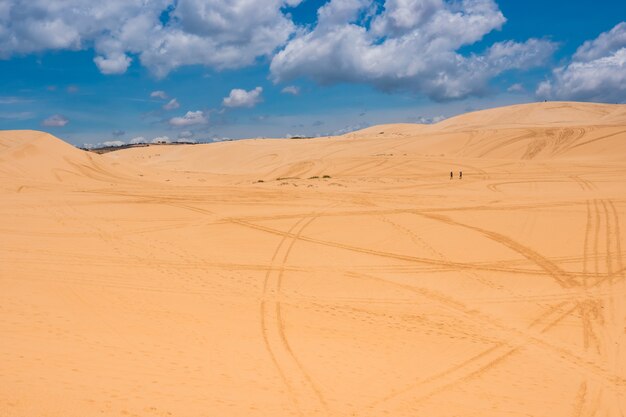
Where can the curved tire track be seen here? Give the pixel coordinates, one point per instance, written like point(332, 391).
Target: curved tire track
point(304, 392)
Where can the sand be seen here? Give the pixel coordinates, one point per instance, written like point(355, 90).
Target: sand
point(234, 279)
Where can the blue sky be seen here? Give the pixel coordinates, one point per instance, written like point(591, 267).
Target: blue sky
point(214, 69)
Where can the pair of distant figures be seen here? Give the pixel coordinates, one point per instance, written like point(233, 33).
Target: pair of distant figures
point(460, 175)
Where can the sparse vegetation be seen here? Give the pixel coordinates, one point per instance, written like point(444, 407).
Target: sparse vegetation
point(326, 176)
point(314, 177)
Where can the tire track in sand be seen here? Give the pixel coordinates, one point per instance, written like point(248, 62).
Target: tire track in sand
point(522, 337)
point(563, 278)
point(303, 391)
point(485, 360)
point(476, 365)
point(579, 402)
point(398, 256)
point(615, 325)
point(589, 308)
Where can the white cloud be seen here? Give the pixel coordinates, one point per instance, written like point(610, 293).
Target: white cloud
point(189, 119)
point(159, 94)
point(243, 98)
point(171, 105)
point(604, 45)
point(411, 45)
point(137, 140)
point(425, 120)
point(291, 89)
point(215, 33)
point(515, 88)
point(116, 63)
point(185, 134)
point(55, 120)
point(349, 128)
point(112, 143)
point(220, 139)
point(161, 139)
point(402, 44)
point(596, 72)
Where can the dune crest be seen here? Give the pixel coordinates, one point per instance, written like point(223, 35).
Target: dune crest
point(38, 156)
point(596, 132)
point(542, 113)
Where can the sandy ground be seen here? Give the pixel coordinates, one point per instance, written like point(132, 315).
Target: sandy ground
point(233, 279)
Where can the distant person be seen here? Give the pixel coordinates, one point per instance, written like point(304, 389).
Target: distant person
point(451, 174)
point(460, 175)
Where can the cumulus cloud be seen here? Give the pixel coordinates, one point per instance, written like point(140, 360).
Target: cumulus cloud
point(113, 143)
point(55, 120)
point(596, 72)
point(115, 63)
point(291, 89)
point(189, 119)
point(171, 105)
point(426, 120)
point(105, 144)
point(185, 134)
point(409, 45)
point(159, 94)
point(604, 45)
point(137, 140)
point(243, 98)
point(215, 33)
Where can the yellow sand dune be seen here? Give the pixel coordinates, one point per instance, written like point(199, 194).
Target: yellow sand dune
point(536, 114)
point(27, 155)
point(595, 131)
point(341, 276)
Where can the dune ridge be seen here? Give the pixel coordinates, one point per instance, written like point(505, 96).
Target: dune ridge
point(598, 133)
point(340, 276)
point(33, 155)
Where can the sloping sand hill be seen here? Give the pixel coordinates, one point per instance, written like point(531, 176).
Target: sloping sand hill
point(36, 157)
point(342, 276)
